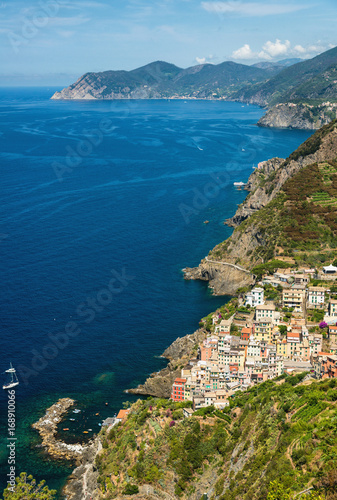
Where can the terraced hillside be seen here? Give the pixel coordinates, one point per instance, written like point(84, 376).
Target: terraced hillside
point(281, 432)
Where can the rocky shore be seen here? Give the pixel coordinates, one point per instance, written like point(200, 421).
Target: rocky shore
point(82, 483)
point(222, 279)
point(47, 428)
point(297, 116)
point(179, 352)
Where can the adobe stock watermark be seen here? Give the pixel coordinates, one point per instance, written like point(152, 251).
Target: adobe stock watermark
point(86, 312)
point(11, 445)
point(84, 147)
point(32, 23)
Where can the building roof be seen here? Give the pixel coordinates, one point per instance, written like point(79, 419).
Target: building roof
point(180, 381)
point(293, 334)
point(298, 287)
point(330, 268)
point(270, 306)
point(316, 288)
point(123, 413)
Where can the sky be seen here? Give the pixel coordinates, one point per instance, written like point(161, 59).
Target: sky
point(53, 42)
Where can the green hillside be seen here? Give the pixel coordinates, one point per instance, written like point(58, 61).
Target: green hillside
point(278, 435)
point(300, 221)
point(309, 81)
point(161, 79)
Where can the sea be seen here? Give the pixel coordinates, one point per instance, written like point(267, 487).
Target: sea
point(103, 203)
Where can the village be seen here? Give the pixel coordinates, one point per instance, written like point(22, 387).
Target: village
point(285, 324)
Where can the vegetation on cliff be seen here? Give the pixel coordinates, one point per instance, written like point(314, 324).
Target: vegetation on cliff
point(160, 79)
point(310, 81)
point(300, 221)
point(279, 436)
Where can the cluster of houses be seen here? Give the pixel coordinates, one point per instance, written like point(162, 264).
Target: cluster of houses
point(263, 342)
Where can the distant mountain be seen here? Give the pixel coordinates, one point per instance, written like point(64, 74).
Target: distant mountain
point(276, 67)
point(289, 61)
point(163, 80)
point(311, 81)
point(294, 92)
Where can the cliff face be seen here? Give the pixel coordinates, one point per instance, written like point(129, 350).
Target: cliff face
point(259, 196)
point(298, 116)
point(92, 87)
point(223, 279)
point(248, 244)
point(82, 483)
point(179, 352)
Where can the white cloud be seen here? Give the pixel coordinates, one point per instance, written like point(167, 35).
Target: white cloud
point(271, 50)
point(250, 9)
point(244, 52)
point(205, 60)
point(299, 49)
point(310, 50)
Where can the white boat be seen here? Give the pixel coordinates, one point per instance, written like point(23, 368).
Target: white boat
point(239, 183)
point(13, 378)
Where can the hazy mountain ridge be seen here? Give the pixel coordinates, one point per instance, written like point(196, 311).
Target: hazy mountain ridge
point(299, 82)
point(163, 80)
point(311, 82)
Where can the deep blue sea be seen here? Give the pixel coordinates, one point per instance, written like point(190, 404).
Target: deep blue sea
point(102, 205)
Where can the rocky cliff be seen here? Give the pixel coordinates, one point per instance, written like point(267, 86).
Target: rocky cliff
point(298, 116)
point(82, 483)
point(179, 352)
point(223, 279)
point(249, 242)
point(267, 180)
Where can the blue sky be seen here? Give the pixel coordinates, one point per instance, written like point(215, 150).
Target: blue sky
point(56, 41)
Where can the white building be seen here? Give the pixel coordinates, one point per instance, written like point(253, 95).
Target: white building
point(330, 269)
point(316, 295)
point(266, 310)
point(255, 297)
point(253, 348)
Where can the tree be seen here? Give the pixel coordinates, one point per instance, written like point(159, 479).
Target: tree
point(282, 329)
point(131, 489)
point(277, 491)
point(27, 489)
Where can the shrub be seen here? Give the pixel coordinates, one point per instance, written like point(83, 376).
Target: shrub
point(131, 489)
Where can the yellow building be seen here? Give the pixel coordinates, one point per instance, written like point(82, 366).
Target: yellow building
point(264, 330)
point(294, 297)
point(281, 348)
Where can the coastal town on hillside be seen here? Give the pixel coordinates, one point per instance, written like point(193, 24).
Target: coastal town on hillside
point(285, 324)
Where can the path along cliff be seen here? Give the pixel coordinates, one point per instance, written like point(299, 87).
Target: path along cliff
point(245, 248)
